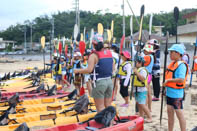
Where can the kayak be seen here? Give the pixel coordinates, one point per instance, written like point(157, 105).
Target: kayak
point(132, 123)
point(45, 122)
point(33, 95)
point(30, 117)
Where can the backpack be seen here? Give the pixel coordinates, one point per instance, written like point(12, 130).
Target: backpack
point(105, 116)
point(81, 104)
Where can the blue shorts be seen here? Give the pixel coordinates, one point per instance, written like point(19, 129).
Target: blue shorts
point(141, 97)
point(57, 77)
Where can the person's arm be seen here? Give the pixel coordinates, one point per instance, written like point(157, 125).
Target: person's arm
point(91, 63)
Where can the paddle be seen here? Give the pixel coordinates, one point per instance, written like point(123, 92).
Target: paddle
point(139, 45)
point(112, 29)
point(121, 45)
point(60, 48)
point(176, 17)
point(100, 29)
point(165, 63)
point(91, 37)
point(82, 47)
point(150, 25)
point(43, 46)
point(109, 35)
point(66, 50)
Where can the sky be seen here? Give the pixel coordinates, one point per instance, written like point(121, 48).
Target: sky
point(17, 11)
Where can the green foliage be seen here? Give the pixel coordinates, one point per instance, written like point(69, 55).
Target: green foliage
point(64, 24)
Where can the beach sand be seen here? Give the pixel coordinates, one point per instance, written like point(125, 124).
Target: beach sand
point(190, 111)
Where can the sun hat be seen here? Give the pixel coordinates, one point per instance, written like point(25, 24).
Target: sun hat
point(97, 38)
point(148, 48)
point(153, 42)
point(126, 54)
point(77, 54)
point(178, 48)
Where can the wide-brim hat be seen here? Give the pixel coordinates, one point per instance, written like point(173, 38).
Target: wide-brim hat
point(148, 48)
point(77, 54)
point(126, 54)
point(178, 48)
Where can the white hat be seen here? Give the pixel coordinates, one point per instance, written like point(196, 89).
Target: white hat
point(148, 48)
point(77, 54)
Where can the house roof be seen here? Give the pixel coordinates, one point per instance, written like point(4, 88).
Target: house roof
point(145, 36)
point(190, 15)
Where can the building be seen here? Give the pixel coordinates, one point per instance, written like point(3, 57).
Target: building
point(187, 33)
point(5, 43)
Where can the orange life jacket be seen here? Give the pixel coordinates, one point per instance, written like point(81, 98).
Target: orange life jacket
point(195, 63)
point(147, 59)
point(170, 74)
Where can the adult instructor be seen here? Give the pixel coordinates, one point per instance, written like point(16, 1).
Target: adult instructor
point(100, 65)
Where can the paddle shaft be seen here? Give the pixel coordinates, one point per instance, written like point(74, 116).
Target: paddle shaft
point(163, 88)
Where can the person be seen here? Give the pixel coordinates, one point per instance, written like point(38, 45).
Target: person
point(77, 65)
point(115, 55)
point(140, 90)
point(100, 65)
point(57, 70)
point(175, 80)
point(156, 69)
point(84, 64)
point(125, 74)
point(149, 61)
point(63, 65)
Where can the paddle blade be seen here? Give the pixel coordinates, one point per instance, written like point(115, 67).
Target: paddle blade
point(150, 24)
point(121, 44)
point(60, 48)
point(131, 25)
point(75, 31)
point(109, 35)
point(142, 11)
point(81, 39)
point(82, 91)
point(176, 14)
point(100, 28)
point(43, 41)
point(82, 47)
point(66, 50)
point(112, 28)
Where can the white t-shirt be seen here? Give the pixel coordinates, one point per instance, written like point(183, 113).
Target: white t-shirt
point(142, 72)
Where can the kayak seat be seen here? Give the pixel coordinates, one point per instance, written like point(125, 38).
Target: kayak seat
point(50, 108)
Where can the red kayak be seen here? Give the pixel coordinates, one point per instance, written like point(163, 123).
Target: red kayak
point(132, 123)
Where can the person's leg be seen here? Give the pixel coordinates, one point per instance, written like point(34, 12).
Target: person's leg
point(89, 87)
point(170, 110)
point(154, 85)
point(99, 104)
point(145, 110)
point(182, 121)
point(157, 84)
point(149, 97)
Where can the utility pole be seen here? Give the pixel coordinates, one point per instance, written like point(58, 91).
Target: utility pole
point(31, 35)
point(52, 32)
point(123, 21)
point(25, 42)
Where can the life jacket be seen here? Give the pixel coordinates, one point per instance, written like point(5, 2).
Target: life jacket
point(170, 73)
point(195, 63)
point(121, 71)
point(57, 70)
point(137, 81)
point(103, 69)
point(149, 61)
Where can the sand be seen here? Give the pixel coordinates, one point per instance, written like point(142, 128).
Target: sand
point(190, 111)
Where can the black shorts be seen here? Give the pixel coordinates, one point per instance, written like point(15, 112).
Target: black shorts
point(177, 103)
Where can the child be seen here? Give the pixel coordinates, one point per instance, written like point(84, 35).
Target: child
point(63, 64)
point(140, 90)
point(149, 62)
point(125, 74)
